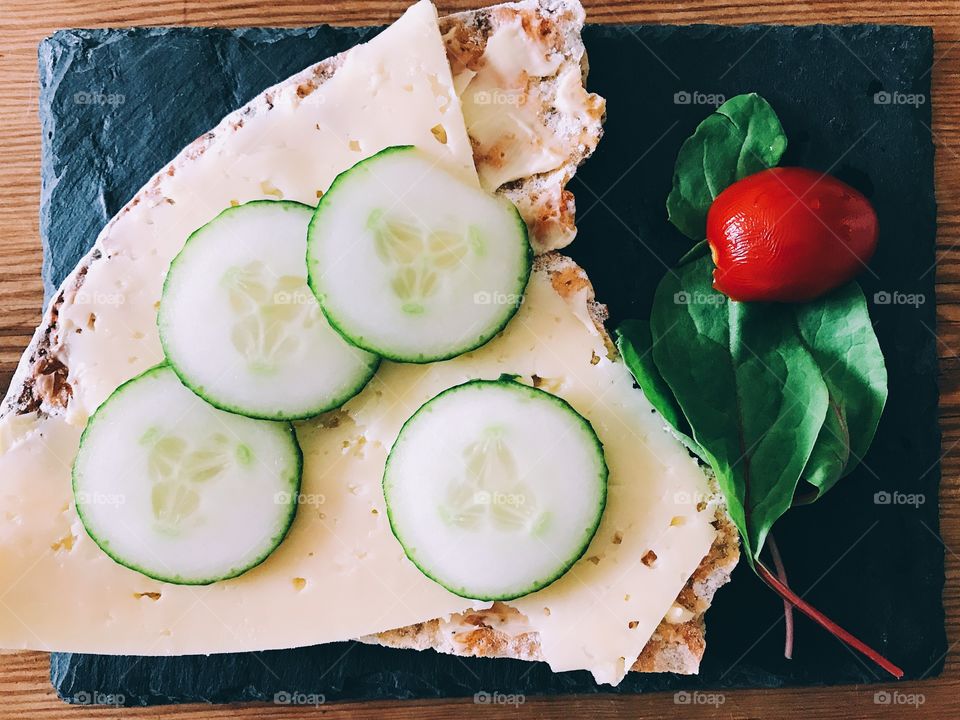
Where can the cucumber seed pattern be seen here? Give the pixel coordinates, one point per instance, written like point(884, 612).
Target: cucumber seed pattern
point(419, 256)
point(178, 472)
point(272, 312)
point(492, 491)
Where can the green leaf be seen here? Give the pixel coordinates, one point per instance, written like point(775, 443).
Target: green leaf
point(635, 344)
point(699, 250)
point(837, 330)
point(741, 137)
point(831, 453)
point(750, 389)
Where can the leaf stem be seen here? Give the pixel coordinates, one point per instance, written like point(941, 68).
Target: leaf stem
point(787, 594)
point(787, 607)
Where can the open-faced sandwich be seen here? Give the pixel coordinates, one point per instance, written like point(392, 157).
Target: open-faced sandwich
point(328, 377)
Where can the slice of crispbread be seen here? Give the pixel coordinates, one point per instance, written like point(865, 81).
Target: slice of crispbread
point(678, 643)
point(565, 112)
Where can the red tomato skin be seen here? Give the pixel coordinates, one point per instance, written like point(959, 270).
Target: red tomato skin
point(789, 235)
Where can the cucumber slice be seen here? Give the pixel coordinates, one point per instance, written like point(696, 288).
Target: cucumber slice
point(173, 488)
point(413, 264)
point(242, 329)
point(495, 489)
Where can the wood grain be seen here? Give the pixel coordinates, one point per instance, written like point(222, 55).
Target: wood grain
point(24, 684)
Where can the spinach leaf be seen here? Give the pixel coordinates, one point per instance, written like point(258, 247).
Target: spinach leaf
point(635, 345)
point(741, 137)
point(771, 394)
point(838, 333)
point(831, 453)
point(750, 389)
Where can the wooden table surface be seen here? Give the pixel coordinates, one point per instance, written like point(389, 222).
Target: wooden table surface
point(24, 683)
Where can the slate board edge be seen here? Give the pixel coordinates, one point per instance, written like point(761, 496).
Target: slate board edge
point(202, 30)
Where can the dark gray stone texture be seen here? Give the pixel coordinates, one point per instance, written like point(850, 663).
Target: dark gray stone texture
point(117, 104)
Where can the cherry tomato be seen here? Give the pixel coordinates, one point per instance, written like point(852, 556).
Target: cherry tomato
point(788, 235)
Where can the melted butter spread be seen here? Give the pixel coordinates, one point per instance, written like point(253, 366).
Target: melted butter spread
point(506, 109)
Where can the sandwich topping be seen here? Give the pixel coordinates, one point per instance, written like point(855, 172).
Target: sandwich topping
point(409, 277)
point(538, 479)
point(180, 491)
point(237, 323)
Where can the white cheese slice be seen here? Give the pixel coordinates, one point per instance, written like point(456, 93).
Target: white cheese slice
point(340, 574)
point(603, 611)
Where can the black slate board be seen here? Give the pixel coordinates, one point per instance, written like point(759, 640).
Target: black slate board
point(115, 105)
